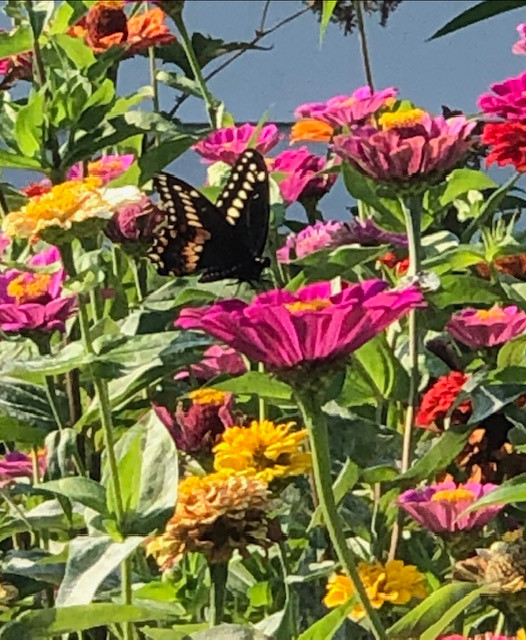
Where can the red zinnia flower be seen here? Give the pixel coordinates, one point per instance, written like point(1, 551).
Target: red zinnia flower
point(439, 399)
point(392, 261)
point(508, 142)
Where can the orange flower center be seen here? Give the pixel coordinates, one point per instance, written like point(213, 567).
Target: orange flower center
point(100, 168)
point(208, 396)
point(29, 287)
point(453, 495)
point(407, 118)
point(495, 313)
point(312, 305)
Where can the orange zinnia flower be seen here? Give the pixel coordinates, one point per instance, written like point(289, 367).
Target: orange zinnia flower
point(311, 130)
point(106, 25)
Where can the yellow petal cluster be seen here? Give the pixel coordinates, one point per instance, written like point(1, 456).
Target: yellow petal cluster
point(263, 450)
point(68, 203)
point(215, 514)
point(394, 583)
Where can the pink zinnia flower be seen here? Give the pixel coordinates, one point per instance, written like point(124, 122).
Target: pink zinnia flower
point(195, 428)
point(217, 360)
point(16, 465)
point(226, 144)
point(17, 67)
point(520, 47)
point(315, 237)
point(134, 223)
point(439, 507)
point(316, 323)
point(33, 301)
point(508, 100)
point(486, 328)
point(410, 145)
point(302, 180)
point(367, 233)
point(342, 111)
point(106, 168)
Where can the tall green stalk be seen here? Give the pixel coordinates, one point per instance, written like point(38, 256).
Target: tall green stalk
point(363, 43)
point(316, 424)
point(218, 577)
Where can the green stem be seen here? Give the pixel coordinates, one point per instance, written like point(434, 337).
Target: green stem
point(218, 577)
point(186, 43)
point(137, 280)
point(44, 349)
point(261, 401)
point(316, 424)
point(363, 43)
point(127, 595)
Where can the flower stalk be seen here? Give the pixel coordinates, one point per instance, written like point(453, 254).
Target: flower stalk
point(218, 577)
point(363, 43)
point(316, 424)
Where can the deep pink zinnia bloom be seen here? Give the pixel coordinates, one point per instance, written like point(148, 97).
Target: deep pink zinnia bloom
point(508, 100)
point(302, 181)
point(134, 223)
point(316, 323)
point(486, 328)
point(216, 361)
point(341, 111)
point(367, 233)
point(417, 148)
point(19, 465)
point(33, 301)
point(106, 168)
point(520, 47)
point(439, 507)
point(226, 144)
point(315, 237)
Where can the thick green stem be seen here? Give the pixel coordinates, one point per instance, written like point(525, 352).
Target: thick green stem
point(137, 280)
point(316, 424)
point(186, 43)
point(363, 43)
point(44, 348)
point(218, 577)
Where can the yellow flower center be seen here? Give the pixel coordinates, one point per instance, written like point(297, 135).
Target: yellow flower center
point(28, 287)
point(407, 118)
point(453, 495)
point(312, 305)
point(389, 102)
point(495, 313)
point(207, 395)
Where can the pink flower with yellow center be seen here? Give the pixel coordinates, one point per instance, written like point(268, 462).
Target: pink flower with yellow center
point(216, 360)
point(227, 144)
point(439, 507)
point(67, 205)
point(32, 300)
point(318, 323)
point(345, 111)
point(406, 146)
point(106, 168)
point(508, 100)
point(487, 327)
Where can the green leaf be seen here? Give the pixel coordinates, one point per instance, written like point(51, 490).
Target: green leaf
point(508, 492)
point(331, 263)
point(481, 11)
point(512, 353)
point(344, 483)
point(228, 632)
point(49, 622)
point(428, 619)
point(79, 489)
point(27, 405)
point(326, 14)
point(17, 161)
point(180, 82)
point(460, 289)
point(365, 189)
point(90, 561)
point(179, 632)
point(257, 383)
point(20, 40)
point(461, 181)
point(75, 50)
point(327, 627)
point(28, 127)
point(383, 368)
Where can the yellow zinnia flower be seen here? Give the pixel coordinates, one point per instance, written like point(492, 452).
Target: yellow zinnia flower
point(393, 582)
point(263, 450)
point(67, 205)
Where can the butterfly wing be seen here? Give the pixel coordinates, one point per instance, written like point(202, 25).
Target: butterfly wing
point(244, 201)
point(194, 235)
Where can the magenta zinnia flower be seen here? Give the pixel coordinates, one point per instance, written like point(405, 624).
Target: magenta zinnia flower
point(302, 181)
point(226, 144)
point(106, 168)
point(315, 237)
point(508, 100)
point(410, 145)
point(16, 465)
point(487, 327)
point(316, 323)
point(216, 360)
point(439, 507)
point(520, 47)
point(33, 301)
point(367, 233)
point(135, 223)
point(342, 111)
point(195, 428)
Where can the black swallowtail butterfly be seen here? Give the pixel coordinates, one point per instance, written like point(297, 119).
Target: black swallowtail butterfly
point(225, 240)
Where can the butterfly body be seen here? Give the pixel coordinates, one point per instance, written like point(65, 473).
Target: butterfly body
point(222, 240)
